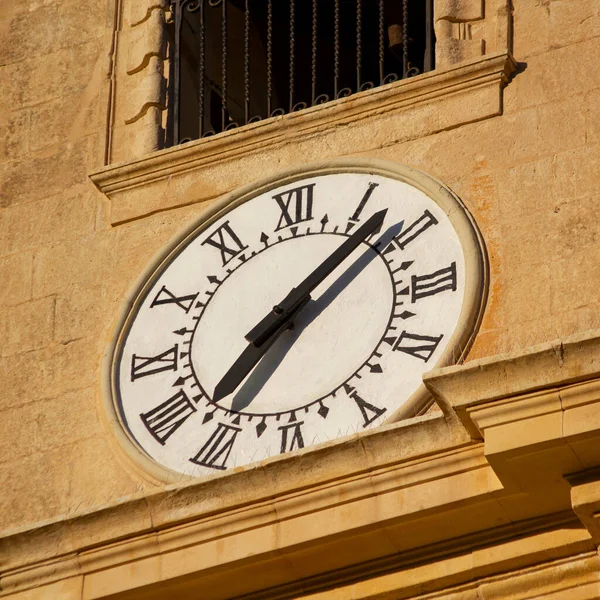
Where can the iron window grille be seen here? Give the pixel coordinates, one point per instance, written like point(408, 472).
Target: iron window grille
point(234, 62)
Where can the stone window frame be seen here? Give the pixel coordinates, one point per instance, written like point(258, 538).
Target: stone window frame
point(473, 64)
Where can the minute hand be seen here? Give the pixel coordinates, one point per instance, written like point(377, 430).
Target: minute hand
point(297, 295)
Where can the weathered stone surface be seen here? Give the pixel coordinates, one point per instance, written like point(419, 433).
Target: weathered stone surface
point(67, 215)
point(29, 326)
point(62, 266)
point(16, 274)
point(14, 141)
point(60, 169)
point(522, 154)
point(49, 423)
point(50, 371)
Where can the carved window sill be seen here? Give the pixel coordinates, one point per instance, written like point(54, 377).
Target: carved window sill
point(384, 116)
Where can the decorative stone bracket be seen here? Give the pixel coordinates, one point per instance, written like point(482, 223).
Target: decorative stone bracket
point(140, 65)
point(585, 498)
point(465, 30)
point(538, 414)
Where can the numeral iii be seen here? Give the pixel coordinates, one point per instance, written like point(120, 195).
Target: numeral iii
point(428, 285)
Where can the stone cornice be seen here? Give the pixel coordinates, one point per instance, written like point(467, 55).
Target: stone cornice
point(387, 505)
point(417, 99)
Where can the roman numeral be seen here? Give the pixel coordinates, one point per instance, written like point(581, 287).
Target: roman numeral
point(296, 206)
point(369, 411)
point(419, 346)
point(226, 241)
point(428, 285)
point(216, 451)
point(142, 366)
point(168, 417)
point(424, 222)
point(167, 297)
point(291, 437)
point(356, 216)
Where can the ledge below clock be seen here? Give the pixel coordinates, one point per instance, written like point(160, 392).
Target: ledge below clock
point(367, 515)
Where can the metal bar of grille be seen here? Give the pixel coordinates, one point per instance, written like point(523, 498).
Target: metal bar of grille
point(201, 72)
point(358, 43)
point(314, 53)
point(224, 67)
point(292, 51)
point(354, 45)
point(404, 38)
point(247, 61)
point(336, 51)
point(429, 37)
point(178, 8)
point(381, 39)
point(269, 57)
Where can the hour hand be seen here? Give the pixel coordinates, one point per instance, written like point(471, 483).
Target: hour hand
point(250, 357)
point(297, 295)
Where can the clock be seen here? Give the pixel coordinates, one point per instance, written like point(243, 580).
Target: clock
point(302, 309)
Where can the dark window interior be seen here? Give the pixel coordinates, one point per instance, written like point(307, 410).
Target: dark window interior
point(301, 66)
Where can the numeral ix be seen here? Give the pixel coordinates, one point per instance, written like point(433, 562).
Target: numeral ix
point(164, 296)
point(142, 366)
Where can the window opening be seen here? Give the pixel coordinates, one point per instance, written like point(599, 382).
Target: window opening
point(235, 62)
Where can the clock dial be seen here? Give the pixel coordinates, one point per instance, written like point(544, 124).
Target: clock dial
point(208, 375)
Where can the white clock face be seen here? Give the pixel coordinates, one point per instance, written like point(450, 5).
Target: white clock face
point(347, 360)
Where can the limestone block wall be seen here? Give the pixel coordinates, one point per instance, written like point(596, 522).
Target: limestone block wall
point(529, 176)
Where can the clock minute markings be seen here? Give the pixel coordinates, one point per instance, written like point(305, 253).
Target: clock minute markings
point(227, 242)
point(355, 218)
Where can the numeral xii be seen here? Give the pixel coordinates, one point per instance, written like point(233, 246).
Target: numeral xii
point(296, 206)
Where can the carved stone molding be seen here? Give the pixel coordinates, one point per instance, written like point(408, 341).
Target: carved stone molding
point(466, 30)
point(404, 511)
point(139, 64)
point(407, 109)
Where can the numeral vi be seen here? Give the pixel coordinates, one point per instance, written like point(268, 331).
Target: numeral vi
point(291, 437)
point(216, 450)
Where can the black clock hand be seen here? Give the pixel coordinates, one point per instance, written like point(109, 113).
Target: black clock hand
point(250, 357)
point(280, 313)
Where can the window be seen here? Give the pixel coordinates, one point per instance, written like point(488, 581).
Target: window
point(234, 62)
